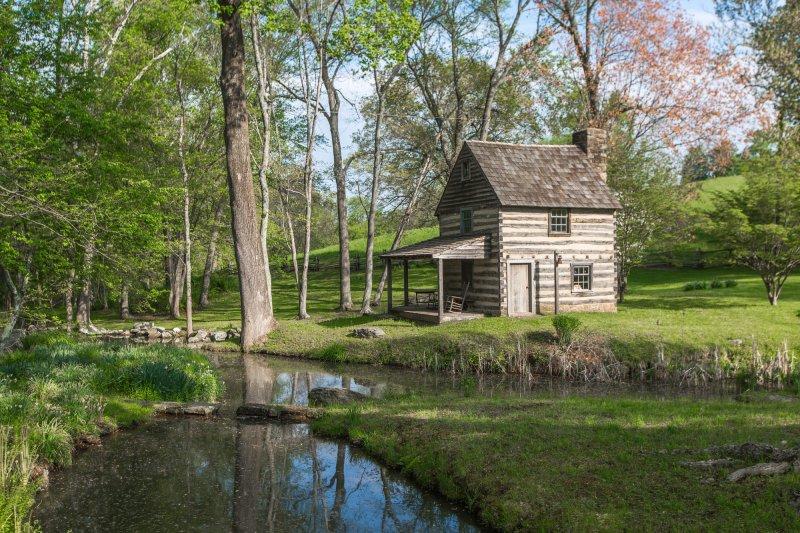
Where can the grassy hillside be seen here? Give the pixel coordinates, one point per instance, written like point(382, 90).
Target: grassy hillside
point(704, 191)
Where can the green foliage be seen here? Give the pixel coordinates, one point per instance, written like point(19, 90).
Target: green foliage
point(652, 215)
point(378, 32)
point(696, 286)
point(731, 283)
point(47, 338)
point(565, 326)
point(716, 284)
point(760, 223)
point(16, 489)
point(335, 353)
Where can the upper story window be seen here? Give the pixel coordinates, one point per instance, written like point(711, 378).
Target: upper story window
point(466, 169)
point(466, 221)
point(581, 278)
point(558, 222)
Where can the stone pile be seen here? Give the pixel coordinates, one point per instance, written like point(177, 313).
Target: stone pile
point(149, 332)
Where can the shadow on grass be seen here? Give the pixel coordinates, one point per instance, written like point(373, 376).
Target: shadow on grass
point(682, 303)
point(350, 321)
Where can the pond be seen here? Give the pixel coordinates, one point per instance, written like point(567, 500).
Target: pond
point(222, 474)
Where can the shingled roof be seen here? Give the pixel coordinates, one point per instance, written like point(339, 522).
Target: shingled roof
point(455, 247)
point(542, 175)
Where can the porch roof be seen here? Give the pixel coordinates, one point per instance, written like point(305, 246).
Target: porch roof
point(475, 246)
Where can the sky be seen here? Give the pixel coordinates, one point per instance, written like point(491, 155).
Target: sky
point(356, 88)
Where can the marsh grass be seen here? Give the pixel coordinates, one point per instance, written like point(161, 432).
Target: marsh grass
point(55, 392)
point(16, 489)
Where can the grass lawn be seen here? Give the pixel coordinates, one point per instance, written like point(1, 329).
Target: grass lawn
point(580, 462)
point(57, 392)
point(657, 314)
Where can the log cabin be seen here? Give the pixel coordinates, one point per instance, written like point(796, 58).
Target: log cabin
point(523, 230)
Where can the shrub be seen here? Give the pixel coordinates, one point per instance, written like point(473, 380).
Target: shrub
point(696, 286)
point(717, 284)
point(731, 283)
point(335, 353)
point(565, 325)
point(47, 338)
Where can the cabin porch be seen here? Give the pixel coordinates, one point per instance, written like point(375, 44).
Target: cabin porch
point(436, 305)
point(419, 313)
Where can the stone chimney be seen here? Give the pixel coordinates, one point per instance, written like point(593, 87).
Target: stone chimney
point(593, 141)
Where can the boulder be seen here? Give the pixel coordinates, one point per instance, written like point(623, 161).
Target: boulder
point(367, 333)
point(331, 395)
point(153, 333)
point(193, 408)
point(755, 451)
point(219, 336)
point(166, 334)
point(761, 469)
point(286, 413)
point(41, 475)
point(194, 339)
point(176, 330)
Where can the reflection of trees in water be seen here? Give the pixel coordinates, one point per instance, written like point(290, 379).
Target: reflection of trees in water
point(284, 479)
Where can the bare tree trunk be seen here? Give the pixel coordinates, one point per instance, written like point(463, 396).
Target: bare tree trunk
point(124, 308)
point(187, 237)
point(176, 283)
point(84, 315)
point(292, 240)
point(211, 257)
point(312, 108)
point(265, 106)
point(102, 289)
point(345, 295)
point(18, 292)
point(366, 308)
point(257, 321)
point(68, 300)
point(401, 227)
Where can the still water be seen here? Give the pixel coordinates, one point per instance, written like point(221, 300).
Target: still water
point(221, 474)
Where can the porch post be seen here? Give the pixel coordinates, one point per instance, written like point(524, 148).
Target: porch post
point(441, 290)
point(405, 281)
point(389, 281)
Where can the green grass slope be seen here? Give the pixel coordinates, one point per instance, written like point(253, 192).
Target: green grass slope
point(703, 192)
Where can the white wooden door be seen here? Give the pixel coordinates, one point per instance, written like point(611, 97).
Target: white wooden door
point(519, 291)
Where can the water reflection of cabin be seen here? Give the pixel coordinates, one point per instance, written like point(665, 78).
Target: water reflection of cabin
point(512, 218)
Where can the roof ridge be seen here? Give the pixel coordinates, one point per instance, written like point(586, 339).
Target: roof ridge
point(536, 145)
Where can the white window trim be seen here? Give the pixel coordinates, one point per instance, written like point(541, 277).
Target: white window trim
point(579, 290)
point(550, 224)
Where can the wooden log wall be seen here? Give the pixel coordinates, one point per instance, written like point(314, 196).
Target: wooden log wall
point(484, 293)
point(524, 236)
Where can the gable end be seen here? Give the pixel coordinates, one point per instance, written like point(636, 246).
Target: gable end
point(474, 192)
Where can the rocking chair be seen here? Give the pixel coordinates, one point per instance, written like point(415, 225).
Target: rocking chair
point(455, 304)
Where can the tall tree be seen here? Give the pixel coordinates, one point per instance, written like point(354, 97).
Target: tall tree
point(257, 320)
point(645, 62)
point(328, 15)
point(380, 33)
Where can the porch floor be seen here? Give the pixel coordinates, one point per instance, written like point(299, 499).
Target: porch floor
point(421, 313)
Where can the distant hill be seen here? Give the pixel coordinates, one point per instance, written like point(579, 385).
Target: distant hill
point(703, 191)
point(382, 243)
